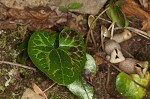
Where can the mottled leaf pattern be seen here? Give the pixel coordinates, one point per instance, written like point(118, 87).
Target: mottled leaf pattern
point(62, 63)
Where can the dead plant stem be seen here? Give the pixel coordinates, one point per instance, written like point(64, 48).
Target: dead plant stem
point(18, 65)
point(108, 76)
point(49, 87)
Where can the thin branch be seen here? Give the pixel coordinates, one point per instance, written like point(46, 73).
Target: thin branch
point(18, 65)
point(137, 31)
point(49, 87)
point(93, 39)
point(104, 20)
point(108, 76)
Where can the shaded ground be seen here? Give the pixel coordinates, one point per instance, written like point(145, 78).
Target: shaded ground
point(23, 78)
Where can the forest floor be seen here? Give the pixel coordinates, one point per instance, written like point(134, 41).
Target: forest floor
point(14, 80)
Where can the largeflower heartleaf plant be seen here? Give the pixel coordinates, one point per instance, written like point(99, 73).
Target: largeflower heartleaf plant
point(61, 56)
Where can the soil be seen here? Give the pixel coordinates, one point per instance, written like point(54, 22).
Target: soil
point(13, 85)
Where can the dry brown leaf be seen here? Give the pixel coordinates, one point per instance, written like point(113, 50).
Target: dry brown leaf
point(38, 91)
point(99, 60)
point(29, 94)
point(133, 9)
point(146, 26)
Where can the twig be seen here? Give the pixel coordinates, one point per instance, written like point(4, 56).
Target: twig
point(49, 87)
point(16, 64)
point(105, 20)
point(108, 76)
point(137, 31)
point(130, 55)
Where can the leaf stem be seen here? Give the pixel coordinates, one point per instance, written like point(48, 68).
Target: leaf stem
point(89, 32)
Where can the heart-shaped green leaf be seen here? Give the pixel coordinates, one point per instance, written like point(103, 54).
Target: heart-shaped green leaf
point(61, 57)
point(130, 89)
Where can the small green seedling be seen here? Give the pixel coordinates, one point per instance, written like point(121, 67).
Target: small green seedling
point(71, 6)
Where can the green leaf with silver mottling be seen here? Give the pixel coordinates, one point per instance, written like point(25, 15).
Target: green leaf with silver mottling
point(80, 88)
point(61, 57)
point(130, 89)
point(90, 64)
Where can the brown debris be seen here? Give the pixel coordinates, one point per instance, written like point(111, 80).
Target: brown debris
point(144, 3)
point(99, 60)
point(131, 8)
point(146, 25)
point(89, 6)
point(35, 18)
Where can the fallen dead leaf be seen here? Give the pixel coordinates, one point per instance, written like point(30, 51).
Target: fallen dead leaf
point(29, 94)
point(99, 60)
point(38, 91)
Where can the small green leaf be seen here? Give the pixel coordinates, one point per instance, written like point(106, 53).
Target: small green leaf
point(90, 64)
point(75, 5)
point(62, 60)
point(115, 14)
point(129, 89)
point(81, 89)
point(63, 9)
